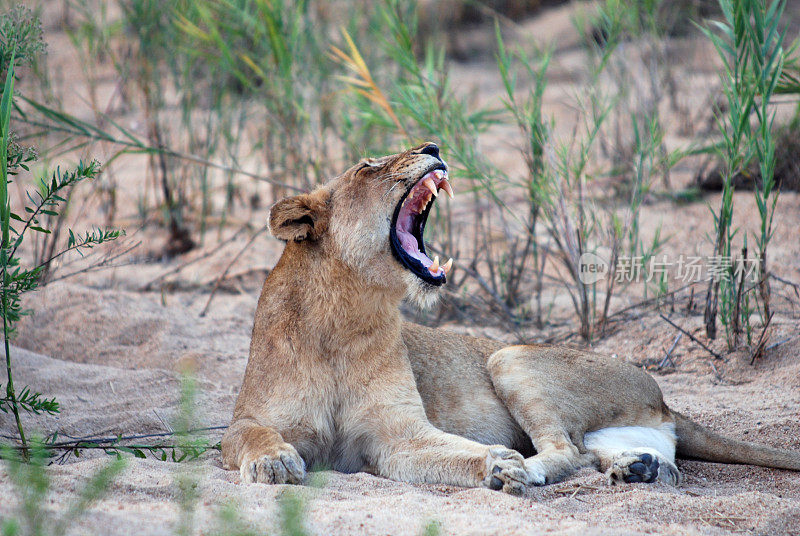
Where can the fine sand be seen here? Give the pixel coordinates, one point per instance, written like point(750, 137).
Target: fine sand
point(110, 359)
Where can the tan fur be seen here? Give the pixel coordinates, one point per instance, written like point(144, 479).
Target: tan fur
point(336, 379)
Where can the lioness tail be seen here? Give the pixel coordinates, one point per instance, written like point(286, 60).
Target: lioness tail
point(696, 441)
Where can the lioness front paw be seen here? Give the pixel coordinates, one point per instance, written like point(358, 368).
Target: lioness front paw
point(505, 470)
point(647, 467)
point(537, 474)
point(283, 465)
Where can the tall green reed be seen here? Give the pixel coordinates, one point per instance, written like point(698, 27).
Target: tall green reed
point(749, 44)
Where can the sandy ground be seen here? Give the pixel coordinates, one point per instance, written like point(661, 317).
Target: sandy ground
point(116, 374)
point(108, 346)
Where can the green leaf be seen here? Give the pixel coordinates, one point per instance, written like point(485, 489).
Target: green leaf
point(5, 118)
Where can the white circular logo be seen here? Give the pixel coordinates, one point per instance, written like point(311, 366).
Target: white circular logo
point(592, 268)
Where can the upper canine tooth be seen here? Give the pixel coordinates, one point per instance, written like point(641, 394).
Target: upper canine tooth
point(447, 188)
point(411, 194)
point(430, 185)
point(435, 266)
point(447, 266)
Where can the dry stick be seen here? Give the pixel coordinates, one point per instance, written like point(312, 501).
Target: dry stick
point(695, 339)
point(794, 286)
point(104, 263)
point(573, 490)
point(240, 274)
point(94, 439)
point(173, 271)
point(576, 492)
point(758, 352)
point(716, 371)
point(780, 343)
point(737, 306)
point(482, 282)
point(669, 352)
point(230, 265)
point(719, 517)
point(650, 301)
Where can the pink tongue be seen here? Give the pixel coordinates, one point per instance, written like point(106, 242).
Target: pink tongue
point(404, 221)
point(410, 245)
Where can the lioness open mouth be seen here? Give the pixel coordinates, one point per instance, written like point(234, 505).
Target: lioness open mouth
point(408, 226)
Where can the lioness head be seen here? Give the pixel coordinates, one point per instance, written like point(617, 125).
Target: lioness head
point(372, 217)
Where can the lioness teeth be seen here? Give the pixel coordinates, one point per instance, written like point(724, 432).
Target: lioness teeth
point(430, 185)
point(433, 268)
point(447, 188)
point(447, 266)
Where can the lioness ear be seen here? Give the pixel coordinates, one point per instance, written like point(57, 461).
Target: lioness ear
point(302, 217)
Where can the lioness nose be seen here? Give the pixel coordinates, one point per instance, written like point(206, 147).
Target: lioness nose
point(431, 149)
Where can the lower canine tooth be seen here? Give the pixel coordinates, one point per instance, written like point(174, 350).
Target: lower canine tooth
point(435, 266)
point(447, 188)
point(447, 266)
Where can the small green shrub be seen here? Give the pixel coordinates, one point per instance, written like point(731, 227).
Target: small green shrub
point(20, 32)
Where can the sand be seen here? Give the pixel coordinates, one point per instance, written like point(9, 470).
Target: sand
point(110, 359)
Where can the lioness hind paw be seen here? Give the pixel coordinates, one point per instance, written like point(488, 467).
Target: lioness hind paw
point(285, 466)
point(633, 467)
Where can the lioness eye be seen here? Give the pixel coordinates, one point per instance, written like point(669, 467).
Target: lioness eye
point(370, 163)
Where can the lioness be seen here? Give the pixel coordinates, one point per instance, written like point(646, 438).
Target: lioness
point(336, 378)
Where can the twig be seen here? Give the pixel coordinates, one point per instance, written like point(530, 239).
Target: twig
point(104, 263)
point(692, 337)
point(650, 301)
point(719, 518)
point(167, 426)
point(230, 265)
point(574, 490)
point(149, 285)
point(669, 352)
point(73, 439)
point(794, 286)
point(716, 371)
point(780, 343)
point(482, 282)
point(758, 352)
point(240, 274)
